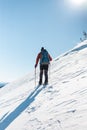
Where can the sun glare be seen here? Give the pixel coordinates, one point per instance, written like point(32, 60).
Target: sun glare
point(77, 3)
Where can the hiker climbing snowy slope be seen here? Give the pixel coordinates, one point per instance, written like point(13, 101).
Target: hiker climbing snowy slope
point(61, 105)
point(45, 59)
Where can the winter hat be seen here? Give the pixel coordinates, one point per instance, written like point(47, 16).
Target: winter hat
point(42, 48)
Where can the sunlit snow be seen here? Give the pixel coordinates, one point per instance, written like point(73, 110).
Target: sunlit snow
point(61, 105)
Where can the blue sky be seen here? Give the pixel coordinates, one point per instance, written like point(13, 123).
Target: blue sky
point(27, 25)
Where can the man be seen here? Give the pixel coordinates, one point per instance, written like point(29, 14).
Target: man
point(45, 59)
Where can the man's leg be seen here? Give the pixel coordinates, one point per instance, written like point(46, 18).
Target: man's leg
point(41, 75)
point(46, 74)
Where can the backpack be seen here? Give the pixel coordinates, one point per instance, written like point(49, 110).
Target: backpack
point(44, 57)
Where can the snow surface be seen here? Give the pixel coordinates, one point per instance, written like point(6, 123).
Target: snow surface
point(61, 105)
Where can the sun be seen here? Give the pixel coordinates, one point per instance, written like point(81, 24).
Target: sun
point(77, 3)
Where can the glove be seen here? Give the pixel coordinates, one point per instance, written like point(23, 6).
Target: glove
point(35, 65)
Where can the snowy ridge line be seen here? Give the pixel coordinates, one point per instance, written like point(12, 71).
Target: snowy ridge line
point(77, 48)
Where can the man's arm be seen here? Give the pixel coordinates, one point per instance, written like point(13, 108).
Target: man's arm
point(50, 57)
point(37, 60)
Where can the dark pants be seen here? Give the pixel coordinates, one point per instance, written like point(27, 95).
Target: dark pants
point(43, 69)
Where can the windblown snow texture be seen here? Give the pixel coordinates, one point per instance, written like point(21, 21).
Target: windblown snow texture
point(61, 105)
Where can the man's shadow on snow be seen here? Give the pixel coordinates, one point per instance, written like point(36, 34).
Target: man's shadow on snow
point(13, 115)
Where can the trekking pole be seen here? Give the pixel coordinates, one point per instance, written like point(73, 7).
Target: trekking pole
point(35, 76)
point(49, 72)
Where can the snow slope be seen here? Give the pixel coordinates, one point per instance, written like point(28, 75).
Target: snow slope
point(61, 105)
